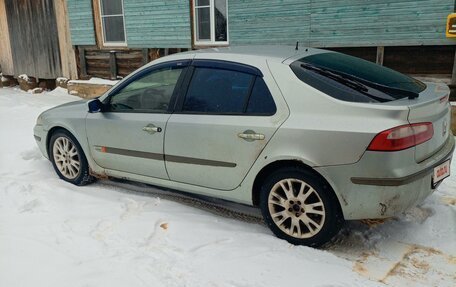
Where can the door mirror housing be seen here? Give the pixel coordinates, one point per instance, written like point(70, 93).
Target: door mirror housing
point(95, 106)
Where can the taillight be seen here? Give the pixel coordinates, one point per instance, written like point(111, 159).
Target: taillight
point(402, 137)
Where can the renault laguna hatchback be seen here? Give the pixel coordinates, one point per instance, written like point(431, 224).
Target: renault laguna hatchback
point(311, 137)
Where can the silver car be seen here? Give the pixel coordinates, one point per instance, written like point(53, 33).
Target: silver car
point(311, 137)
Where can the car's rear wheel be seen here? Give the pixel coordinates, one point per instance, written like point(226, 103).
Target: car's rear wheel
point(68, 159)
point(300, 207)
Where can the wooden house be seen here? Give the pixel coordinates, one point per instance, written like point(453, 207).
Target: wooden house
point(111, 38)
point(115, 36)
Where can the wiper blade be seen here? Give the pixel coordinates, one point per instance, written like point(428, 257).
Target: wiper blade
point(354, 84)
point(389, 90)
point(409, 94)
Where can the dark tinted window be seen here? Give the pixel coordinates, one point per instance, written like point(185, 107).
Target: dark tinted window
point(217, 91)
point(261, 101)
point(373, 80)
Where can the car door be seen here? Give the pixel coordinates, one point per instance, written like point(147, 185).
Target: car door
point(128, 134)
point(222, 124)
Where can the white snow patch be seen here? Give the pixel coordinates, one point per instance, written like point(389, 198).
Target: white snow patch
point(24, 77)
point(95, 81)
point(59, 91)
point(61, 79)
point(105, 234)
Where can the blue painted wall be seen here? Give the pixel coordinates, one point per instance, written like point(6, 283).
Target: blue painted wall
point(158, 24)
point(268, 22)
point(319, 23)
point(379, 22)
point(330, 23)
point(81, 22)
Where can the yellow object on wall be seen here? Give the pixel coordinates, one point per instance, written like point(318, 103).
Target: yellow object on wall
point(451, 26)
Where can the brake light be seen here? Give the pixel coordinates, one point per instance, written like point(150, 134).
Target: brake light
point(402, 137)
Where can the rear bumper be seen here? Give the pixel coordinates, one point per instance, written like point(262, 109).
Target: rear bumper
point(383, 185)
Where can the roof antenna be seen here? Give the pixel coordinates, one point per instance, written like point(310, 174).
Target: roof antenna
point(297, 44)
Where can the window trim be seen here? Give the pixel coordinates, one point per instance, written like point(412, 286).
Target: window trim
point(221, 65)
point(212, 41)
point(101, 16)
point(177, 90)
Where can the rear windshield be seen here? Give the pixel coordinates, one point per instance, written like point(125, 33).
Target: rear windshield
point(352, 79)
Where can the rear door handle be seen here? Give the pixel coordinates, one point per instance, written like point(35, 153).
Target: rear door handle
point(150, 128)
point(250, 135)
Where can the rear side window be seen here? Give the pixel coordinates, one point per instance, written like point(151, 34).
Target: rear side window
point(261, 101)
point(352, 79)
point(219, 91)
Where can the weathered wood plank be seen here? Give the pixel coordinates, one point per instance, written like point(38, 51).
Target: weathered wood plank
point(113, 65)
point(147, 22)
point(81, 22)
point(34, 38)
point(68, 57)
point(380, 53)
point(6, 57)
point(82, 61)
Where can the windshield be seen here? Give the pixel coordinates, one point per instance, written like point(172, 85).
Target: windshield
point(352, 79)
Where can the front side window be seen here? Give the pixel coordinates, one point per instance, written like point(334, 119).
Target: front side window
point(149, 93)
point(113, 22)
point(210, 22)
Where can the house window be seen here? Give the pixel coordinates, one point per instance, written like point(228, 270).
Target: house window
point(113, 22)
point(211, 22)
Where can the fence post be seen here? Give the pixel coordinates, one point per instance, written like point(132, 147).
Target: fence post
point(113, 65)
point(145, 55)
point(82, 61)
point(380, 54)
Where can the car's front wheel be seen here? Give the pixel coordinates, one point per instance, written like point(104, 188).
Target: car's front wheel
point(299, 207)
point(68, 159)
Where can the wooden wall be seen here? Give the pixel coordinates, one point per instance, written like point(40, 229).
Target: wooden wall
point(329, 23)
point(268, 22)
point(34, 38)
point(80, 16)
point(414, 60)
point(148, 24)
point(379, 22)
point(68, 57)
point(317, 23)
point(6, 58)
point(158, 24)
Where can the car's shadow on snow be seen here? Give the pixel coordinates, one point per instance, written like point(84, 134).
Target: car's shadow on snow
point(215, 206)
point(355, 234)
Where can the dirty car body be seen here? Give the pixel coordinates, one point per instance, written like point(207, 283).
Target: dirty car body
point(363, 140)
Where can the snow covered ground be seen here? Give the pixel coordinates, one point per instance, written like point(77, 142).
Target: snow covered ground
point(109, 234)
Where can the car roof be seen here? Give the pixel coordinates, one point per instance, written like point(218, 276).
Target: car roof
point(269, 52)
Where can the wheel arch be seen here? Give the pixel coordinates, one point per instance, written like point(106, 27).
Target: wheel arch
point(61, 127)
point(273, 166)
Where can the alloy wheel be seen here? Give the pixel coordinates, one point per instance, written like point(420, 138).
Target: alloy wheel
point(296, 208)
point(66, 157)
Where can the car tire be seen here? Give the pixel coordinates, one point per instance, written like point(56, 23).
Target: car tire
point(300, 207)
point(68, 158)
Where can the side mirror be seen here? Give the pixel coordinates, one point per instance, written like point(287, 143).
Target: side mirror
point(95, 106)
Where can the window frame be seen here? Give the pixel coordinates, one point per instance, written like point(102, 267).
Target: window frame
point(221, 65)
point(103, 39)
point(184, 64)
point(212, 41)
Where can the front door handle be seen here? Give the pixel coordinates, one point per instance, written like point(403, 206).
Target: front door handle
point(250, 135)
point(150, 128)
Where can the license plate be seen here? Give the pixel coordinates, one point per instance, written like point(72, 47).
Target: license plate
point(441, 172)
